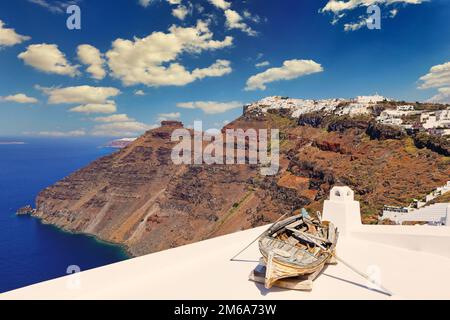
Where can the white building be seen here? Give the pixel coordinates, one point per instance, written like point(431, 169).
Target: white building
point(435, 119)
point(353, 109)
point(391, 121)
point(393, 117)
point(297, 107)
point(371, 99)
point(405, 108)
point(436, 215)
point(438, 192)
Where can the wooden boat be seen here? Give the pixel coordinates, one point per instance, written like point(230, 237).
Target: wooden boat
point(297, 246)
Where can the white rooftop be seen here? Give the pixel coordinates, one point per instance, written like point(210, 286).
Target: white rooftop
point(413, 262)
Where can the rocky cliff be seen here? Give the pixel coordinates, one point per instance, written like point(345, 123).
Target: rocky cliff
point(137, 197)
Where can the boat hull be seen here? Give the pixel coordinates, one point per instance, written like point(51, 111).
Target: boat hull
point(287, 259)
point(277, 270)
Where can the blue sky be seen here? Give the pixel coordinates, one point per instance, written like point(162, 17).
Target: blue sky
point(191, 70)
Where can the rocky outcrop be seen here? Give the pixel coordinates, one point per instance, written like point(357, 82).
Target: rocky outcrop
point(314, 119)
point(172, 124)
point(333, 122)
point(361, 124)
point(344, 123)
point(385, 132)
point(437, 144)
point(26, 211)
point(329, 146)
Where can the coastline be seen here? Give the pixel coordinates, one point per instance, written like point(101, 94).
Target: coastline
point(43, 253)
point(122, 247)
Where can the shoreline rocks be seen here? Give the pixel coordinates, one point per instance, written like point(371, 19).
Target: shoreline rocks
point(26, 211)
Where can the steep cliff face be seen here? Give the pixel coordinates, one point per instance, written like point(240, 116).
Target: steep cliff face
point(139, 198)
point(438, 144)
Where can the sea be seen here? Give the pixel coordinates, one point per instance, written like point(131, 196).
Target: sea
point(31, 252)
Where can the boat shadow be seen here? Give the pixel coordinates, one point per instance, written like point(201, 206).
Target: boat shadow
point(264, 292)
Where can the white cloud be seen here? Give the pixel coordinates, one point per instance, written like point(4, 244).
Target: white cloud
point(217, 69)
point(60, 134)
point(199, 8)
point(108, 107)
point(253, 17)
point(262, 64)
point(211, 107)
point(169, 116)
point(54, 6)
point(145, 3)
point(19, 98)
point(81, 94)
point(291, 69)
point(48, 58)
point(121, 129)
point(438, 76)
point(139, 93)
point(181, 12)
point(355, 25)
point(9, 37)
point(442, 97)
point(91, 99)
point(92, 57)
point(114, 118)
point(153, 60)
point(221, 4)
point(339, 8)
point(235, 21)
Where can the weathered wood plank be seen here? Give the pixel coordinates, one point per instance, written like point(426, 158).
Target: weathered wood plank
point(298, 283)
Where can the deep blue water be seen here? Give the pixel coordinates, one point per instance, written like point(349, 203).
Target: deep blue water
point(31, 252)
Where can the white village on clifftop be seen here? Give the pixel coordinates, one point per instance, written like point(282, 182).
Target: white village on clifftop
point(406, 116)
